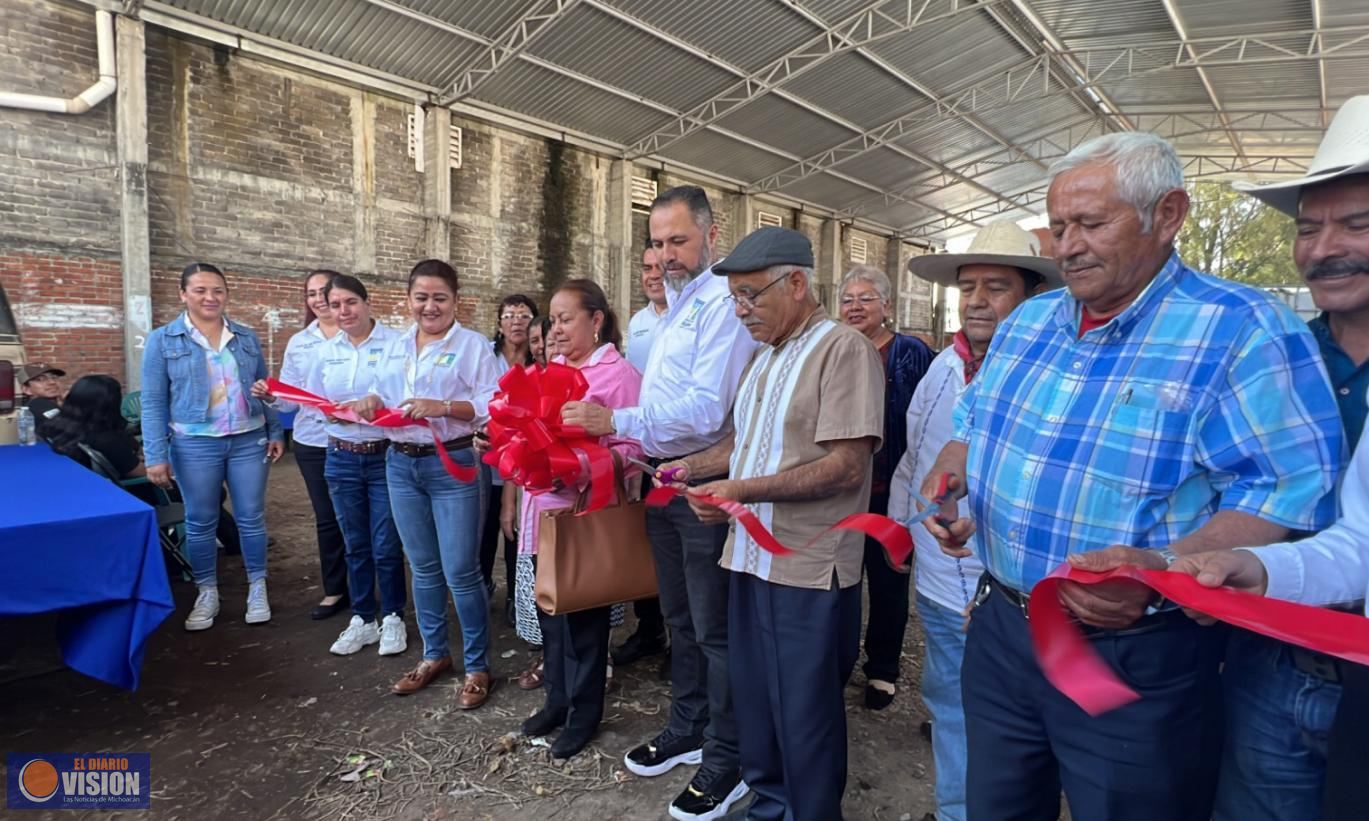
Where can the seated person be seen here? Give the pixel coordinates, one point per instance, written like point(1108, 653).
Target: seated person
point(91, 416)
point(42, 387)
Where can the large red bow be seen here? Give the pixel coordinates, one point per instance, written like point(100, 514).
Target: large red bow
point(530, 445)
point(893, 536)
point(384, 418)
point(1073, 666)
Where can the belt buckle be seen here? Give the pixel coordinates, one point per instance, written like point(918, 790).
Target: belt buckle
point(1316, 664)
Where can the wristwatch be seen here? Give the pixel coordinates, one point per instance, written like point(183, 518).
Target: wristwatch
point(1161, 604)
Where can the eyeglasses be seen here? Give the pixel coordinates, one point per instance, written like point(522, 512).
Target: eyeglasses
point(747, 302)
point(865, 300)
point(515, 317)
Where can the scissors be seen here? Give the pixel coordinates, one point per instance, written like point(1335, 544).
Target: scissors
point(932, 507)
point(668, 475)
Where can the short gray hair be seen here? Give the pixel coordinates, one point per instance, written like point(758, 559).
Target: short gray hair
point(872, 275)
point(1146, 167)
point(774, 272)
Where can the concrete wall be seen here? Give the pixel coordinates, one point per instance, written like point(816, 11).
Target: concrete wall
point(268, 173)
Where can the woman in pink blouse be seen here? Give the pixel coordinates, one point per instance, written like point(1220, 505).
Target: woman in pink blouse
point(575, 646)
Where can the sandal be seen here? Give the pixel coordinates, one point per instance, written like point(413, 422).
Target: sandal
point(531, 678)
point(474, 692)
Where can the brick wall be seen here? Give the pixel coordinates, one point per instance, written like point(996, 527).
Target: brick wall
point(269, 172)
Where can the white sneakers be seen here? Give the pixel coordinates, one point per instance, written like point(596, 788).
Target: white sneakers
point(206, 608)
point(394, 637)
point(358, 634)
point(258, 608)
point(391, 634)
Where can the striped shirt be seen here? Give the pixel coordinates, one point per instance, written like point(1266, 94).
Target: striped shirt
point(1203, 395)
point(823, 385)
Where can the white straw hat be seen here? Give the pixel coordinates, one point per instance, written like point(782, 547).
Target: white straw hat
point(998, 243)
point(1343, 151)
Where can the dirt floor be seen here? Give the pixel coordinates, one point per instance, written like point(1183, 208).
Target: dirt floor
point(262, 722)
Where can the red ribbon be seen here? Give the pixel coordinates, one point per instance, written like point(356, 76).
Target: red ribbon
point(530, 445)
point(384, 418)
point(895, 538)
point(1074, 667)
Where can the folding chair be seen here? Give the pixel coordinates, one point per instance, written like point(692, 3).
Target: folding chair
point(170, 515)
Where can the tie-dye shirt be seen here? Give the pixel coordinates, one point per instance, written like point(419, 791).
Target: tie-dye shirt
point(227, 413)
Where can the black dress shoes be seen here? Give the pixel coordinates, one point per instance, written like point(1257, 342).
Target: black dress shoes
point(543, 722)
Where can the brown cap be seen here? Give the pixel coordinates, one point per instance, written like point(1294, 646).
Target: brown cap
point(31, 372)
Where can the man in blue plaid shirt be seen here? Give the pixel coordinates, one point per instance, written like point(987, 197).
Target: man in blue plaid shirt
point(1148, 405)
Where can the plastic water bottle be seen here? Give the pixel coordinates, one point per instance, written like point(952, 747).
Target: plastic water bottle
point(28, 434)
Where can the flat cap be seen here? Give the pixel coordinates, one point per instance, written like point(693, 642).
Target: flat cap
point(765, 247)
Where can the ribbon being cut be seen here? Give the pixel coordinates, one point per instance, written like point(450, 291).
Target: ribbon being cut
point(384, 418)
point(1072, 665)
point(533, 449)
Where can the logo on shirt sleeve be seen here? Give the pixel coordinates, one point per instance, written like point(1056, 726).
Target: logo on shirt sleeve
point(693, 316)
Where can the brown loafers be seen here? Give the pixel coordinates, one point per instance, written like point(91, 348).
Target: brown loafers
point(531, 678)
point(474, 692)
point(421, 676)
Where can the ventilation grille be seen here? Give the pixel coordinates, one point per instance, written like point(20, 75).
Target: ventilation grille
point(860, 250)
point(454, 147)
point(643, 194)
point(765, 219)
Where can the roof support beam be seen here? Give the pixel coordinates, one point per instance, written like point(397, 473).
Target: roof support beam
point(1321, 64)
point(870, 25)
point(1096, 96)
point(1178, 23)
point(1033, 80)
point(898, 75)
point(523, 33)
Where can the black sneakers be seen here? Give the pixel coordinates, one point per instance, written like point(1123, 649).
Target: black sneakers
point(709, 796)
point(663, 753)
point(639, 646)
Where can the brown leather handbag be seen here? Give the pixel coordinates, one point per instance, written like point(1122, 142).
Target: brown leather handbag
point(594, 560)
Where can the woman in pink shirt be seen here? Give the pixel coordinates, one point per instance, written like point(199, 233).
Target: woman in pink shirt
point(575, 646)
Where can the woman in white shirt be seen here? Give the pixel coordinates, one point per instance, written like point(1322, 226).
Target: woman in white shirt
point(443, 373)
point(311, 441)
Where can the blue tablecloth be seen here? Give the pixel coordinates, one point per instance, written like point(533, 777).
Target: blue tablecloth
point(74, 542)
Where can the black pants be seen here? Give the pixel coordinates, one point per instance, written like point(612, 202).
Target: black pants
point(332, 554)
point(888, 606)
point(1155, 758)
point(491, 532)
point(793, 649)
point(650, 622)
point(575, 664)
point(1347, 755)
point(693, 592)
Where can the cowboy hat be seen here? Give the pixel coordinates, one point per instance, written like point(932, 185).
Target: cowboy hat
point(1343, 151)
point(998, 243)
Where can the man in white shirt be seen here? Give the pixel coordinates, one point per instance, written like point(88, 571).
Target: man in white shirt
point(688, 387)
point(641, 331)
point(998, 272)
point(649, 638)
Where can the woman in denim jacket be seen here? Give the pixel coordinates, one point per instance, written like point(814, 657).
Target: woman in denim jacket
point(200, 419)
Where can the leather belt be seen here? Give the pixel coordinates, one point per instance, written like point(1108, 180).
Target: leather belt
point(1316, 664)
point(1146, 624)
point(370, 448)
point(411, 449)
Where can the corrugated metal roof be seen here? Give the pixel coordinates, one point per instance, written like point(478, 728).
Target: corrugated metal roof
point(623, 70)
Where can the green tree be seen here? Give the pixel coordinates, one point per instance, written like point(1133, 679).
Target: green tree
point(1237, 237)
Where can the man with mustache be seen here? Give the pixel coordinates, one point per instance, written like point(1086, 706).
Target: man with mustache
point(688, 385)
point(649, 638)
point(1147, 405)
point(808, 417)
point(1000, 270)
point(1281, 700)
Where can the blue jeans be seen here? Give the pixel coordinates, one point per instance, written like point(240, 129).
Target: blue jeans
point(943, 630)
point(1278, 720)
point(361, 500)
point(439, 520)
point(201, 465)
